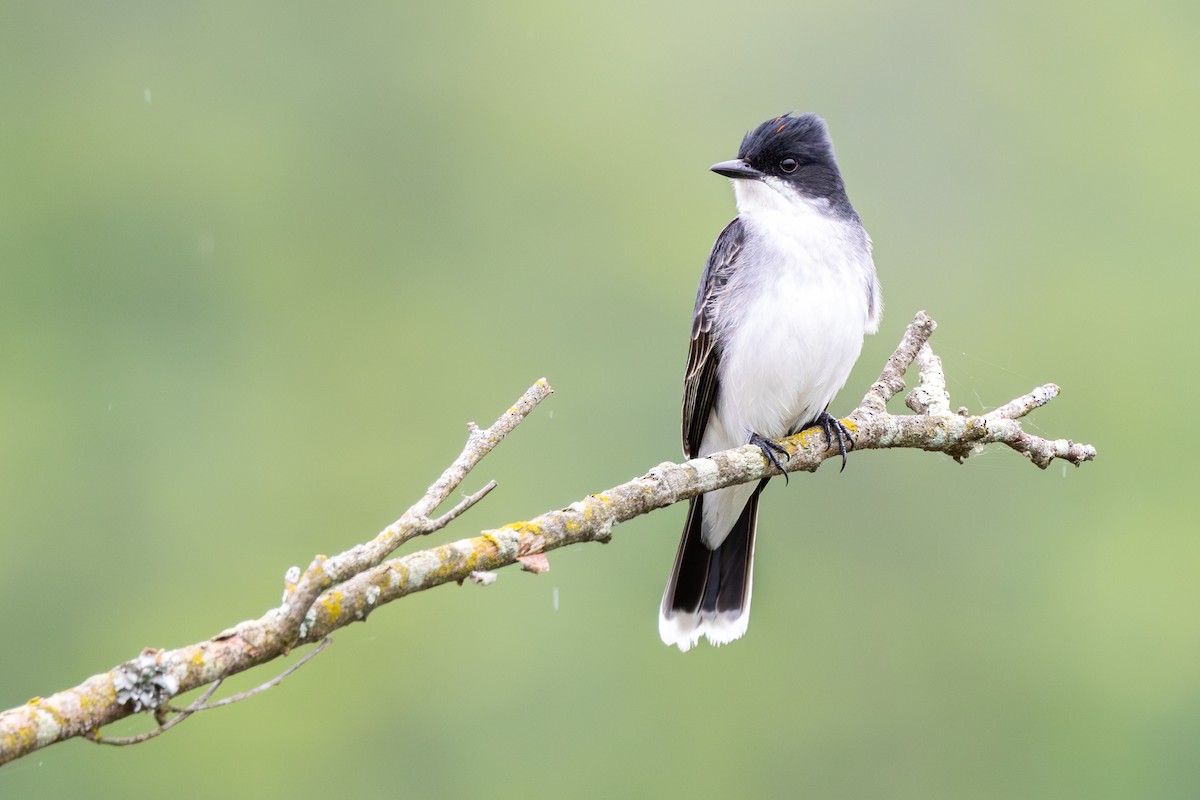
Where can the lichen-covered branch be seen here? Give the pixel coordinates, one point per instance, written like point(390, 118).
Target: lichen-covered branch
point(339, 590)
point(150, 679)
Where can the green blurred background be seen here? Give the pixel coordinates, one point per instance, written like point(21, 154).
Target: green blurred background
point(260, 264)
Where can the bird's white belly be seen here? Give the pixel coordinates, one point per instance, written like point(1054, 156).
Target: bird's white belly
point(787, 356)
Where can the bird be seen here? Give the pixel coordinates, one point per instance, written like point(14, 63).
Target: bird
point(786, 297)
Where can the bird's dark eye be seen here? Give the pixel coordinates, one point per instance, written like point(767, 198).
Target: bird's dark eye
point(788, 165)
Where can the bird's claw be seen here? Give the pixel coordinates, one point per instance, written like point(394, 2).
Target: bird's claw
point(771, 452)
point(835, 430)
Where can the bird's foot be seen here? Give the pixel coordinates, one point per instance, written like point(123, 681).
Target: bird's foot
point(835, 431)
point(771, 452)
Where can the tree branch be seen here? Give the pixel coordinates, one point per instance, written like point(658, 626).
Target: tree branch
point(339, 590)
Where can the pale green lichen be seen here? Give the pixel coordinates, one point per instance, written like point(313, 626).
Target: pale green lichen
point(707, 471)
point(310, 619)
point(144, 682)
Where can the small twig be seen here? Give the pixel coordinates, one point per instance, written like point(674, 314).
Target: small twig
point(415, 521)
point(1015, 409)
point(479, 444)
point(1042, 451)
point(123, 741)
point(463, 505)
point(278, 679)
point(930, 395)
point(891, 379)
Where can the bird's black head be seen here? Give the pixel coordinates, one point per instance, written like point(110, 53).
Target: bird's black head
point(794, 150)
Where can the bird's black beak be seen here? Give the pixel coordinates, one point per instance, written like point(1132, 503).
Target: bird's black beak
point(737, 169)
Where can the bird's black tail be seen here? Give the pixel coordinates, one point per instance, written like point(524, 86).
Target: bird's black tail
point(709, 591)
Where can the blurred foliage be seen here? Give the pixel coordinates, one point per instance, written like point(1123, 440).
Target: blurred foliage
point(259, 265)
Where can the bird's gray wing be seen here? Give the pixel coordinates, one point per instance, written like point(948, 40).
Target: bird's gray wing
point(704, 355)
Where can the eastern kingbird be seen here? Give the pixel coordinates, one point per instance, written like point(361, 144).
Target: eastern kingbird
point(788, 292)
